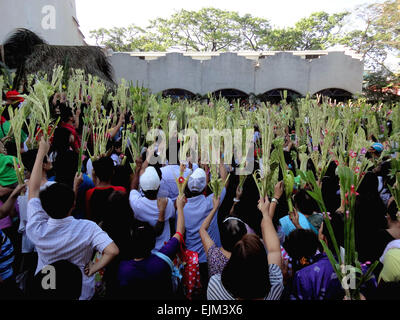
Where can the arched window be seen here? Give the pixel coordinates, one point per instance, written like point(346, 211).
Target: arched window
point(178, 94)
point(339, 95)
point(276, 95)
point(232, 95)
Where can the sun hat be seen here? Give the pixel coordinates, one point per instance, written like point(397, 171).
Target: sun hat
point(197, 180)
point(149, 180)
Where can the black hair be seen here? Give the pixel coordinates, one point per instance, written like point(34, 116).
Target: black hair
point(98, 205)
point(119, 221)
point(305, 203)
point(61, 140)
point(151, 194)
point(232, 230)
point(57, 200)
point(68, 282)
point(117, 144)
point(121, 176)
point(29, 158)
point(143, 239)
point(302, 243)
point(246, 274)
point(65, 112)
point(392, 211)
point(66, 166)
point(104, 168)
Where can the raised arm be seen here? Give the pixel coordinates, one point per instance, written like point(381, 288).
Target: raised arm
point(180, 224)
point(278, 191)
point(77, 114)
point(236, 200)
point(136, 176)
point(270, 236)
point(159, 227)
point(120, 123)
point(205, 237)
point(223, 172)
point(36, 175)
point(7, 209)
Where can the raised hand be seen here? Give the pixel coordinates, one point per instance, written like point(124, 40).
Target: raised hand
point(162, 204)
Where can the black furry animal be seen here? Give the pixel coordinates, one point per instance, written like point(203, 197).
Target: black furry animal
point(28, 53)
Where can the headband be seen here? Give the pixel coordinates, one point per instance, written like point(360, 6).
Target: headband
point(233, 218)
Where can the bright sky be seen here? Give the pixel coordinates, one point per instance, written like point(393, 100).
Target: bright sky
point(119, 13)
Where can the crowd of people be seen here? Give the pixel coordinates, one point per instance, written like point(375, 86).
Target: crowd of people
point(113, 233)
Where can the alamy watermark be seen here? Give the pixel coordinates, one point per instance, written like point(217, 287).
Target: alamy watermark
point(49, 17)
point(49, 278)
point(203, 149)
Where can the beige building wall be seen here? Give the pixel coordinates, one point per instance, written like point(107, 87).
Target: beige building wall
point(250, 72)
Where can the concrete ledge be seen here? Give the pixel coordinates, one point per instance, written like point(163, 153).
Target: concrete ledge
point(247, 71)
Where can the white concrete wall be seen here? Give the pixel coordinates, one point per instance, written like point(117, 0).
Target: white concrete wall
point(278, 70)
point(28, 14)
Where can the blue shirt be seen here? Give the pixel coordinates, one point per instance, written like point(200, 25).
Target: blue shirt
point(6, 257)
point(288, 226)
point(195, 211)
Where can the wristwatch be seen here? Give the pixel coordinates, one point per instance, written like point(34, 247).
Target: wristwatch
point(274, 200)
point(235, 200)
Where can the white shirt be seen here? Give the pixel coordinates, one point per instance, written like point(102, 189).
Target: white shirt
point(195, 211)
point(116, 159)
point(89, 168)
point(27, 245)
point(146, 210)
point(65, 239)
point(168, 185)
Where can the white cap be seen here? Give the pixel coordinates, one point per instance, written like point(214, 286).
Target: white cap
point(149, 180)
point(197, 180)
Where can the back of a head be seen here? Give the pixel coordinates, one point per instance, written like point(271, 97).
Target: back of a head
point(305, 203)
point(232, 230)
point(61, 140)
point(65, 112)
point(28, 159)
point(57, 200)
point(392, 211)
point(369, 185)
point(301, 243)
point(66, 285)
point(99, 204)
point(104, 168)
point(143, 239)
point(66, 166)
point(246, 275)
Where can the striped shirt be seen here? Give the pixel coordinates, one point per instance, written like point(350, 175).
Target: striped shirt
point(65, 239)
point(6, 257)
point(217, 291)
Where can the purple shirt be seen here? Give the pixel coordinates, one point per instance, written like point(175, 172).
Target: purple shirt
point(149, 278)
point(318, 281)
point(216, 261)
point(6, 222)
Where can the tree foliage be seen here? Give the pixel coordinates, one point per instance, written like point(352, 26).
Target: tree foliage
point(374, 32)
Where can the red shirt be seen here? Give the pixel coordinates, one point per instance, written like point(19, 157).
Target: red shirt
point(77, 140)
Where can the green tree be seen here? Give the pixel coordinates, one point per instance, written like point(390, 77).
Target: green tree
point(208, 29)
point(379, 35)
point(317, 32)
